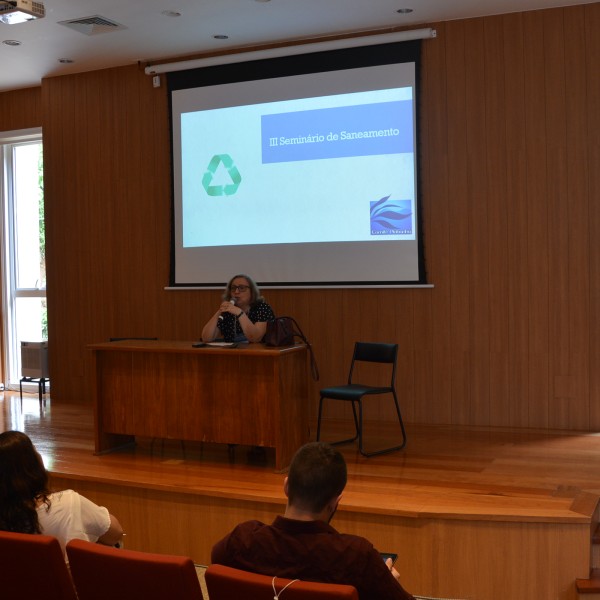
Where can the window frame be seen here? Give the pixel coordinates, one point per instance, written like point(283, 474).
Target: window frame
point(9, 256)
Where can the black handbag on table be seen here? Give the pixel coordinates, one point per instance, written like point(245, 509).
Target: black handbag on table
point(282, 331)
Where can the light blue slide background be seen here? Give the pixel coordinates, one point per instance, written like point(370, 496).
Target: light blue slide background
point(301, 201)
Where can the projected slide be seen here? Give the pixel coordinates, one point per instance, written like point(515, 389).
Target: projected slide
point(336, 168)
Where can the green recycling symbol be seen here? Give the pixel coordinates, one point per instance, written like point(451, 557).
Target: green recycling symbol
point(213, 165)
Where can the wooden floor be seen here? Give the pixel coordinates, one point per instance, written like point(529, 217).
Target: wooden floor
point(445, 480)
point(511, 474)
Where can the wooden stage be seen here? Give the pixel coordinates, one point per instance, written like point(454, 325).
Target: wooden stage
point(473, 513)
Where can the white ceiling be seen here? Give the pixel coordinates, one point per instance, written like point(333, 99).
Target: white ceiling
point(148, 34)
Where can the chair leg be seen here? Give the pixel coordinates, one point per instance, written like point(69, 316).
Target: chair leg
point(385, 450)
point(356, 436)
point(319, 419)
point(231, 452)
point(357, 423)
point(400, 421)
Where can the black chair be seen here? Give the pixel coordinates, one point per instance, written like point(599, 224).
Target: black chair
point(355, 392)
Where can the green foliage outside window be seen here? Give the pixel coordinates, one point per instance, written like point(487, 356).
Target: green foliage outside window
point(42, 238)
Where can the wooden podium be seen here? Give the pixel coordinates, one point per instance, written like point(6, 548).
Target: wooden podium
point(251, 394)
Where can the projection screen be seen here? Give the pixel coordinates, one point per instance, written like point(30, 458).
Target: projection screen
point(300, 171)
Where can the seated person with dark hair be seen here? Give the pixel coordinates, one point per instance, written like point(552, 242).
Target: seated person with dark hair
point(301, 544)
point(28, 506)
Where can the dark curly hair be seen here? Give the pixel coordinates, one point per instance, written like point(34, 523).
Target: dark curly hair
point(23, 483)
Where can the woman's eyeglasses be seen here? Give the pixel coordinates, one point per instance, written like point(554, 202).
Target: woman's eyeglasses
point(238, 288)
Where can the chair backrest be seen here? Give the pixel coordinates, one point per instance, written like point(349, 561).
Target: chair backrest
point(33, 567)
point(375, 353)
point(225, 583)
point(101, 572)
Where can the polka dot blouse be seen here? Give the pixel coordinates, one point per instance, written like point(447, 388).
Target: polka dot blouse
point(232, 331)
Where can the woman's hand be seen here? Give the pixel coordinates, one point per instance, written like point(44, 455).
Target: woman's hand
point(230, 307)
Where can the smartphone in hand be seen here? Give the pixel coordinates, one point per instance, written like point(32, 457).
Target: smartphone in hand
point(386, 555)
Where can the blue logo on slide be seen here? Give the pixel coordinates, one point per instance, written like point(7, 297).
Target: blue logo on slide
point(391, 217)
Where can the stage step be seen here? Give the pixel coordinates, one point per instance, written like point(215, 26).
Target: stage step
point(596, 548)
point(589, 589)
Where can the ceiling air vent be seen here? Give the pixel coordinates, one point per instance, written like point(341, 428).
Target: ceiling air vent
point(92, 25)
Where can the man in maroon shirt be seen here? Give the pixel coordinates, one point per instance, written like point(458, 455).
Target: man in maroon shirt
point(301, 544)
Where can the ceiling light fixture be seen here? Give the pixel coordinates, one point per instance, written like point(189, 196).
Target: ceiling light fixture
point(404, 11)
point(20, 11)
point(11, 42)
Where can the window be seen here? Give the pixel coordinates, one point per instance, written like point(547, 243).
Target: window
point(23, 265)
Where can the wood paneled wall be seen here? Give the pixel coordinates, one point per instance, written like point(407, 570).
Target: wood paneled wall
point(20, 109)
point(510, 160)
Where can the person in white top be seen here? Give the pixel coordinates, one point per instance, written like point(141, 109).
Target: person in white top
point(28, 506)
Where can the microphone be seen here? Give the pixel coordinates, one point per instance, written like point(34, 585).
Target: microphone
point(221, 316)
